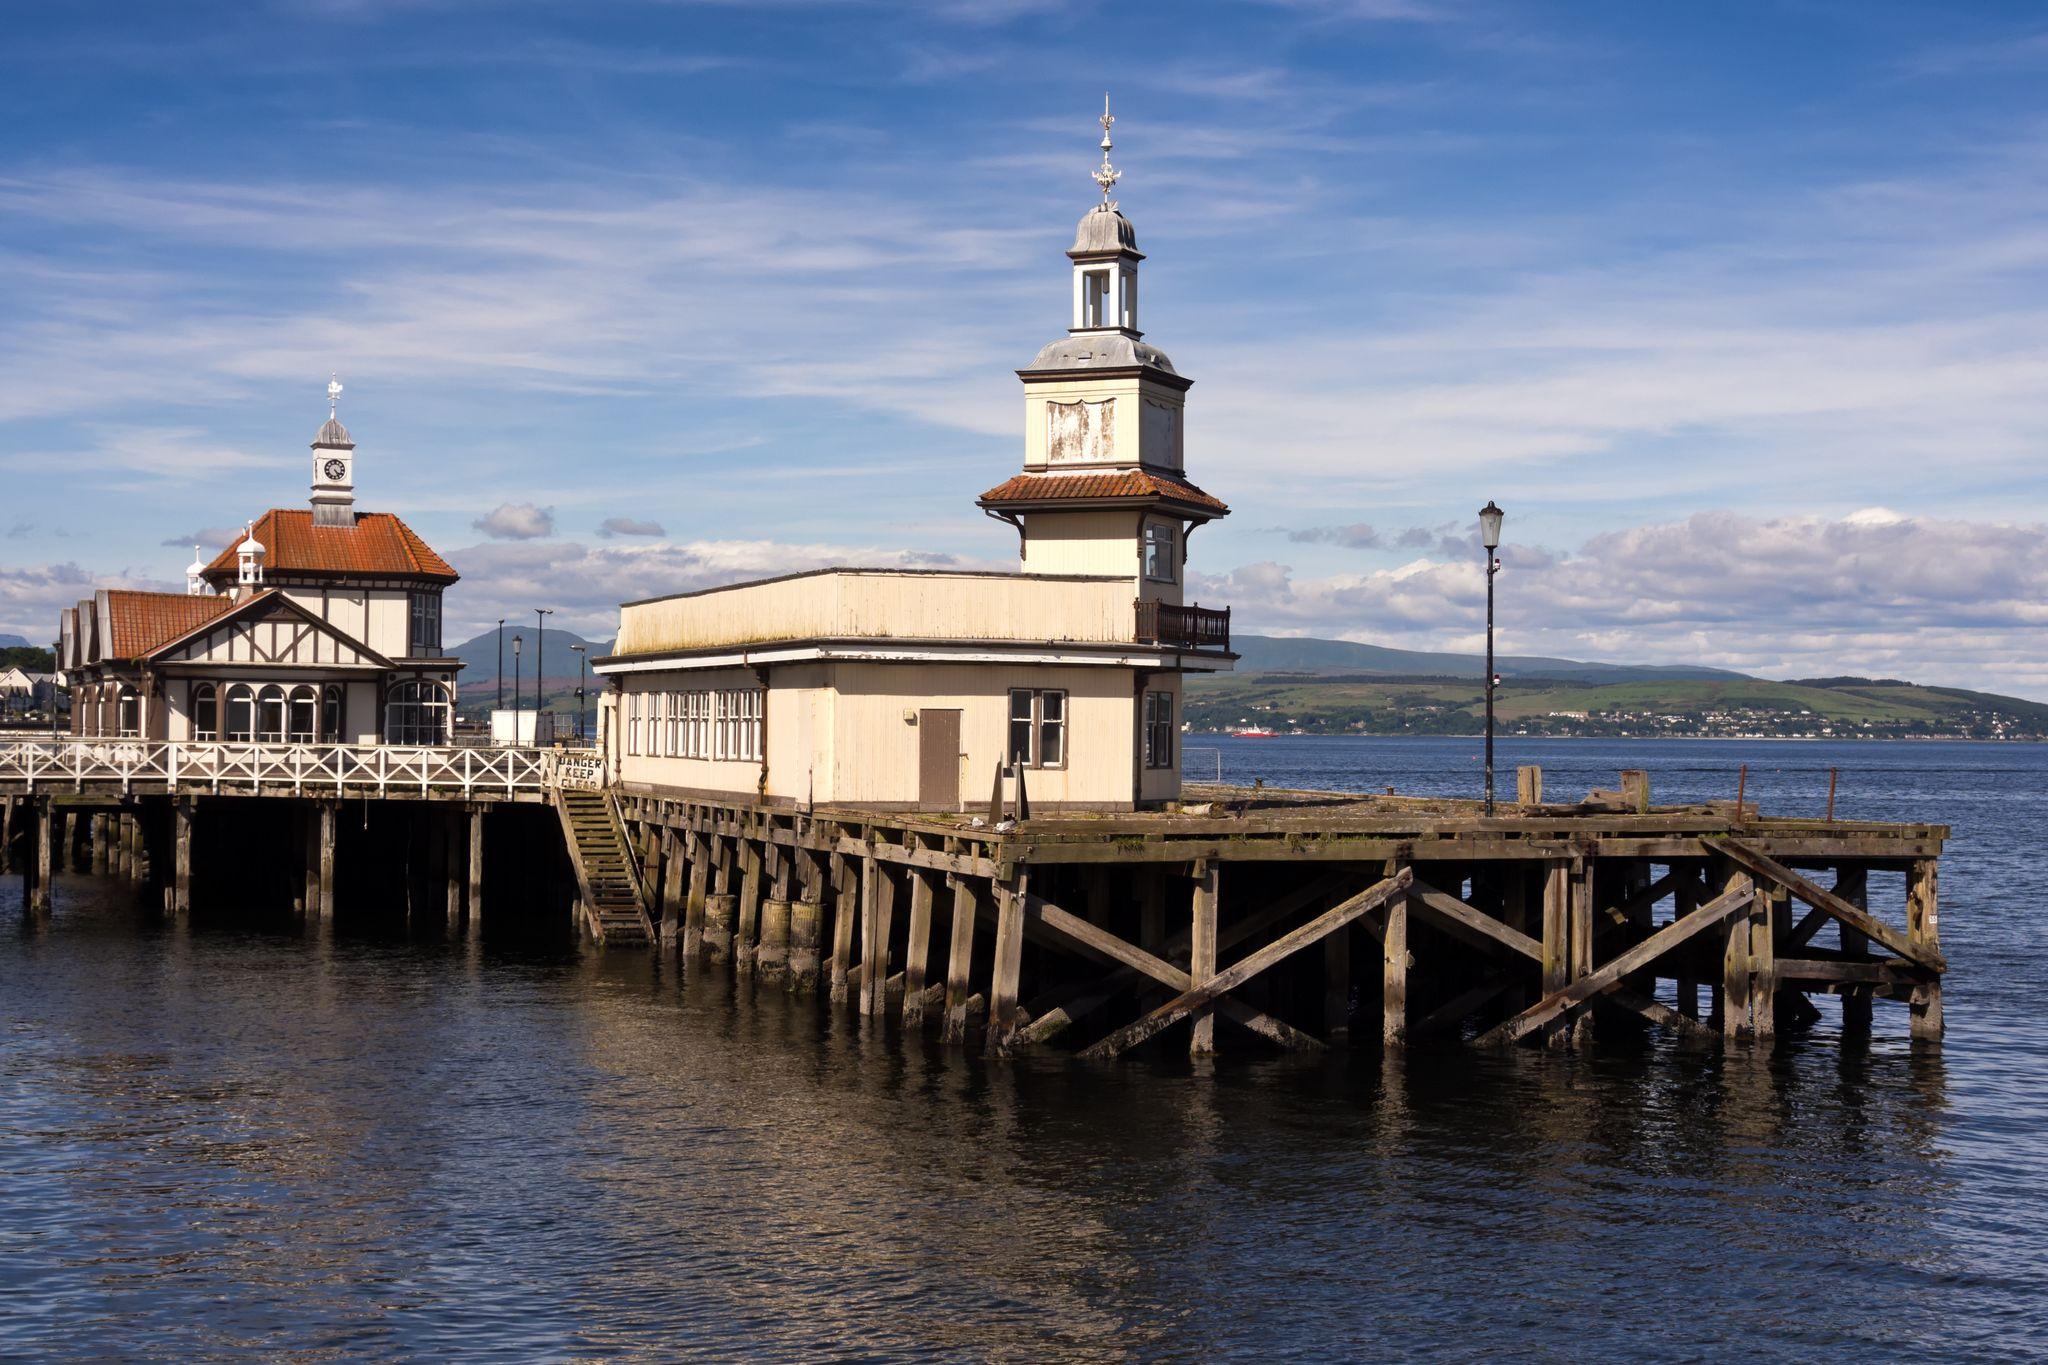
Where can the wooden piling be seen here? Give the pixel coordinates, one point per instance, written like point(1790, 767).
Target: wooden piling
point(748, 928)
point(181, 858)
point(329, 814)
point(1923, 931)
point(917, 947)
point(1203, 910)
point(1737, 1008)
point(1556, 964)
point(804, 917)
point(1004, 1007)
point(1394, 964)
point(878, 912)
point(846, 880)
point(718, 918)
point(959, 961)
point(693, 901)
point(474, 864)
point(1529, 785)
point(39, 896)
point(772, 956)
point(673, 869)
point(1579, 937)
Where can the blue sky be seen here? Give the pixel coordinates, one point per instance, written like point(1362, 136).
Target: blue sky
point(1741, 310)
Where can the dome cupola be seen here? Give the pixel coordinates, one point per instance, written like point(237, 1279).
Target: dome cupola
point(334, 468)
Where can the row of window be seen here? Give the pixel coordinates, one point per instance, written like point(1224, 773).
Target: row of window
point(415, 712)
point(722, 724)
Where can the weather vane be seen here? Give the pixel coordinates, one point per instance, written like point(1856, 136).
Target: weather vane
point(1107, 175)
point(333, 393)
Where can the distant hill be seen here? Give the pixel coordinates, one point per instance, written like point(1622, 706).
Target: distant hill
point(480, 656)
point(1278, 654)
point(13, 642)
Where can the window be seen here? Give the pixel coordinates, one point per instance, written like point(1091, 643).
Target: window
point(634, 700)
point(270, 715)
point(241, 725)
point(1038, 727)
point(1130, 313)
point(1159, 729)
point(302, 716)
point(417, 712)
point(205, 712)
point(1095, 298)
point(1162, 565)
point(333, 708)
point(737, 725)
point(128, 714)
point(426, 626)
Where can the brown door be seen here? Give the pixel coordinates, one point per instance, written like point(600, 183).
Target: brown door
point(938, 760)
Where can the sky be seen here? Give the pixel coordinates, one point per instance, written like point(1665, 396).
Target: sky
point(1739, 310)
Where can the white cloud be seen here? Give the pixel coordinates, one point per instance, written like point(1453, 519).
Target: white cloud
point(32, 595)
point(517, 521)
point(1953, 602)
point(629, 526)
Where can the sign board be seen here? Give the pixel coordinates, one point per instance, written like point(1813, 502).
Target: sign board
point(584, 768)
point(532, 728)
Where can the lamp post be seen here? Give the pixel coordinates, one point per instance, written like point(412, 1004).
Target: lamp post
point(582, 675)
point(540, 654)
point(501, 663)
point(517, 640)
point(1489, 536)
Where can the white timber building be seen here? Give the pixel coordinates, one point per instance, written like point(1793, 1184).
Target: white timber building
point(322, 625)
point(912, 689)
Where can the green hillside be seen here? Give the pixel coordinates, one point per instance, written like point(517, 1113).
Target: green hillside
point(1816, 708)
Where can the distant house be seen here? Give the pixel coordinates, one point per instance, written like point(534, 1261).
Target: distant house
point(322, 625)
point(911, 689)
point(22, 690)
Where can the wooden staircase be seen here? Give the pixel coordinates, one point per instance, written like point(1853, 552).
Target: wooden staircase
point(614, 902)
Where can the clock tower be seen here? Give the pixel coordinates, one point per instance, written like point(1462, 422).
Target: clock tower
point(334, 468)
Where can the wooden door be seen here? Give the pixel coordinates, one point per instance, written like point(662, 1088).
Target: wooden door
point(938, 760)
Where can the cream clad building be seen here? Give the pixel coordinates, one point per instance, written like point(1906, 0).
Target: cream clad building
point(911, 689)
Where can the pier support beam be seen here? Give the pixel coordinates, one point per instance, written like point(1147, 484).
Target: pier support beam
point(773, 954)
point(45, 858)
point(878, 912)
point(329, 811)
point(1004, 1013)
point(1579, 936)
point(846, 881)
point(959, 962)
point(749, 906)
point(181, 858)
point(693, 902)
point(1738, 1009)
point(918, 947)
point(718, 916)
point(1556, 968)
point(672, 871)
point(473, 864)
point(1394, 964)
point(803, 946)
point(1202, 953)
point(1923, 931)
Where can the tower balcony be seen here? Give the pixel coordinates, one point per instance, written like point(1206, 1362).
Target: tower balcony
point(1163, 623)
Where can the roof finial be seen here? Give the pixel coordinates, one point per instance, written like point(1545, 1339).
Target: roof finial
point(333, 394)
point(1107, 175)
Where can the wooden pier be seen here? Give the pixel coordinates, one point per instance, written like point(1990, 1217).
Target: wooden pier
point(1301, 920)
point(1308, 920)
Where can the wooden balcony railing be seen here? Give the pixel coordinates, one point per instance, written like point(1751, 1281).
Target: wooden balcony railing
point(1162, 623)
point(140, 765)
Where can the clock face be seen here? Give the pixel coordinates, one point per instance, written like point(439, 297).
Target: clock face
point(334, 470)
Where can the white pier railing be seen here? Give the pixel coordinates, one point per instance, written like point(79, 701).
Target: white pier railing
point(286, 769)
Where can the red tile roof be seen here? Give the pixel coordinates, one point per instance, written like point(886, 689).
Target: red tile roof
point(1135, 484)
point(143, 620)
point(379, 545)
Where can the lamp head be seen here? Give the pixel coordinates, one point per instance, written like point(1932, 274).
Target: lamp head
point(517, 641)
point(1489, 525)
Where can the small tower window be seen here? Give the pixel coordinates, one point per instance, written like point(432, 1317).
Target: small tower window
point(1129, 310)
point(1095, 298)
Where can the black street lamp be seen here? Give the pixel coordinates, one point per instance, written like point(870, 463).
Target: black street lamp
point(582, 677)
point(540, 652)
point(1489, 536)
point(501, 664)
point(517, 641)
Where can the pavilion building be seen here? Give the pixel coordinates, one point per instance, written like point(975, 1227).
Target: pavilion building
point(912, 689)
point(321, 625)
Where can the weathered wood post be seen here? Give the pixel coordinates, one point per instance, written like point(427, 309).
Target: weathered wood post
point(959, 961)
point(1202, 952)
point(39, 895)
point(98, 835)
point(1579, 935)
point(1923, 930)
point(749, 906)
point(1737, 1004)
point(181, 857)
point(329, 810)
point(804, 916)
point(1557, 895)
point(1767, 918)
point(1635, 790)
point(1003, 1009)
point(448, 821)
point(1394, 964)
point(672, 868)
point(878, 903)
point(718, 917)
point(773, 955)
point(1852, 884)
point(846, 882)
point(7, 804)
point(693, 902)
point(1685, 898)
point(1529, 785)
point(917, 949)
point(474, 864)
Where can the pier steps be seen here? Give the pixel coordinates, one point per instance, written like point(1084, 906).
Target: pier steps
point(614, 905)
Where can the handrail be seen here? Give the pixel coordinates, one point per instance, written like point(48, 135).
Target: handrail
point(1192, 627)
point(295, 769)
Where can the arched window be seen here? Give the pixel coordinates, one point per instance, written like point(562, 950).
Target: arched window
point(205, 712)
point(270, 715)
point(417, 712)
point(302, 716)
point(128, 713)
point(333, 705)
point(241, 718)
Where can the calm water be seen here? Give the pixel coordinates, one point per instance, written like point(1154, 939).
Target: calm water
point(243, 1143)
